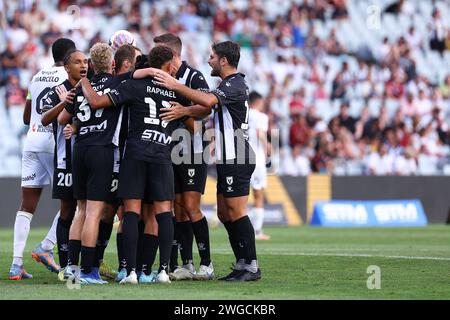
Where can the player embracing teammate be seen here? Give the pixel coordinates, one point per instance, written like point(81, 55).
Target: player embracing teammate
point(170, 95)
point(234, 155)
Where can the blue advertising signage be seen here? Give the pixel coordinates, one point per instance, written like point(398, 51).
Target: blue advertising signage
point(385, 213)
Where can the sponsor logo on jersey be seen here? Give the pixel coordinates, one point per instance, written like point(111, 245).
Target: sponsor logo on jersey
point(41, 128)
point(191, 172)
point(156, 137)
point(94, 128)
point(220, 92)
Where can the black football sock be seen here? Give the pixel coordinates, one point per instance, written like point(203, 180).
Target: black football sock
point(186, 239)
point(174, 251)
point(87, 259)
point(245, 235)
point(130, 231)
point(165, 235)
point(234, 245)
point(62, 238)
point(150, 246)
point(74, 252)
point(119, 243)
point(201, 232)
point(140, 245)
point(104, 233)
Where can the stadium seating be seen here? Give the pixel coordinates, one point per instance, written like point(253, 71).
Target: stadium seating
point(352, 34)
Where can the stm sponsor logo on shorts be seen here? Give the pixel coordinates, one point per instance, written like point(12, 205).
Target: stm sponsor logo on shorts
point(29, 178)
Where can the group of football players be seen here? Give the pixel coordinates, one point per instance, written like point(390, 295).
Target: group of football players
point(123, 133)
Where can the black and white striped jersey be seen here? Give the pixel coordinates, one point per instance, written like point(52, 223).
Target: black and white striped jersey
point(231, 120)
point(193, 79)
point(63, 147)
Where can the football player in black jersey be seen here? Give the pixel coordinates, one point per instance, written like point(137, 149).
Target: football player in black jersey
point(125, 59)
point(93, 158)
point(75, 63)
point(146, 171)
point(235, 157)
point(190, 181)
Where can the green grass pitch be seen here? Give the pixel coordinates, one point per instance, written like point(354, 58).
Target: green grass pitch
point(298, 263)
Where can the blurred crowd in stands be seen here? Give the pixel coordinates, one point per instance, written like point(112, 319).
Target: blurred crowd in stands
point(336, 107)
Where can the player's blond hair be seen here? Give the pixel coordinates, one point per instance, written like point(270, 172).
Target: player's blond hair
point(102, 56)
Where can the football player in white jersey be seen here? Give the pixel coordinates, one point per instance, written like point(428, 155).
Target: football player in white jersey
point(258, 123)
point(37, 164)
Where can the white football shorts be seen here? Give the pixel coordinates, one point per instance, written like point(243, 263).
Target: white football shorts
point(37, 169)
point(259, 178)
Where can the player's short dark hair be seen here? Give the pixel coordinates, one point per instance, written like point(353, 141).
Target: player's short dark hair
point(170, 40)
point(124, 52)
point(159, 55)
point(60, 48)
point(230, 50)
point(254, 96)
point(141, 62)
point(69, 54)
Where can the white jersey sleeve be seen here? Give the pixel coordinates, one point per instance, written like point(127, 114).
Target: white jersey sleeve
point(40, 138)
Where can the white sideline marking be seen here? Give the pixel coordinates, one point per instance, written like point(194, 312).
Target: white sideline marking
point(349, 255)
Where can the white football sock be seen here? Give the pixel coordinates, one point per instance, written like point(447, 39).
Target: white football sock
point(252, 267)
point(50, 239)
point(21, 231)
point(258, 219)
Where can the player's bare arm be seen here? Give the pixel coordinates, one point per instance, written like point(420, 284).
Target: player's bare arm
point(144, 73)
point(50, 115)
point(27, 112)
point(190, 125)
point(177, 111)
point(95, 101)
point(70, 130)
point(196, 96)
point(64, 117)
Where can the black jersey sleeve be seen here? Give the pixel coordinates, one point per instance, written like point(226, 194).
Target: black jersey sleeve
point(198, 82)
point(51, 100)
point(125, 76)
point(122, 94)
point(71, 107)
point(226, 93)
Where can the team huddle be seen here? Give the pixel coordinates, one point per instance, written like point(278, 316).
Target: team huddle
point(123, 133)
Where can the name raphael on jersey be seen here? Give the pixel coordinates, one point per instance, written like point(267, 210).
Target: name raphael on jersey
point(161, 91)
